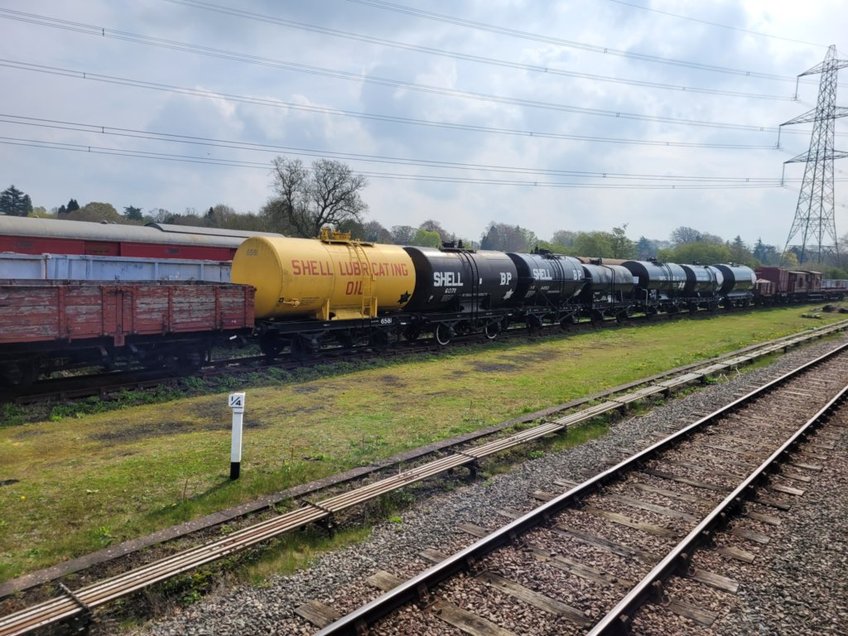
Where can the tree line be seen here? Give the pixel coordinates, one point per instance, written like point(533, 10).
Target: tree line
point(329, 193)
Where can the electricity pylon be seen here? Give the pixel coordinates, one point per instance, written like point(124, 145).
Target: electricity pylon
point(814, 215)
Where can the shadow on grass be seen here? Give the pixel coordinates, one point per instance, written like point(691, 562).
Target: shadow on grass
point(223, 492)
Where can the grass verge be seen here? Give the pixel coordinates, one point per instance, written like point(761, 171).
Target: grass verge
point(79, 482)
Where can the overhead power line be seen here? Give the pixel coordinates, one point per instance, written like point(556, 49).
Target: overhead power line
point(97, 31)
point(324, 110)
point(526, 35)
point(716, 24)
point(146, 135)
point(534, 68)
point(91, 29)
point(112, 79)
point(105, 150)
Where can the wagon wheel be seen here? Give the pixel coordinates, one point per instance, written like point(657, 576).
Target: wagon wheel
point(18, 374)
point(566, 323)
point(345, 339)
point(191, 360)
point(534, 325)
point(303, 348)
point(379, 339)
point(492, 329)
point(152, 358)
point(443, 334)
point(270, 345)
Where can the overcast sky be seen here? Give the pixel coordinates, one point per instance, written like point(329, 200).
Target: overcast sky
point(463, 112)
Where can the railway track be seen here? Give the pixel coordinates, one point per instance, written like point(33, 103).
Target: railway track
point(105, 384)
point(109, 383)
point(83, 600)
point(589, 558)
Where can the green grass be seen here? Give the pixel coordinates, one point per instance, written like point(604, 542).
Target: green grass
point(85, 481)
point(290, 553)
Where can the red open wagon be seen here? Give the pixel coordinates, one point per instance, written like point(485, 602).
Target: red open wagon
point(49, 325)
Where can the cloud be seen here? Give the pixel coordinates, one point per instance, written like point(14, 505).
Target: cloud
point(464, 206)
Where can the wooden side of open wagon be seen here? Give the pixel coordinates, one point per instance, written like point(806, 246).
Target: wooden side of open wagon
point(47, 311)
point(49, 326)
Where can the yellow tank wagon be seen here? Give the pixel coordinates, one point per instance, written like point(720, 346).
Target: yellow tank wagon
point(331, 278)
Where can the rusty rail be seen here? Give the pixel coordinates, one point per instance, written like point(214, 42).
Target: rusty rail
point(409, 591)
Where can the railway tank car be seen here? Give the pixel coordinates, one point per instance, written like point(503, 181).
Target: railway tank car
point(657, 286)
point(737, 289)
point(307, 289)
point(608, 291)
point(545, 278)
point(458, 291)
point(703, 283)
point(547, 287)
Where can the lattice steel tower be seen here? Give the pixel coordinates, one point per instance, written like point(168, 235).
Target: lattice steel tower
point(814, 219)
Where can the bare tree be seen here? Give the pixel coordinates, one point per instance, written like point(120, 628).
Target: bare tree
point(374, 231)
point(310, 198)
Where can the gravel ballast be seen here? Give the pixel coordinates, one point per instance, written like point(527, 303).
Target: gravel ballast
point(806, 562)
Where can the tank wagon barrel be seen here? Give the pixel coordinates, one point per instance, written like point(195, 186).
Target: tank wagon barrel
point(461, 281)
point(546, 279)
point(665, 279)
point(330, 279)
point(702, 280)
point(738, 279)
point(606, 282)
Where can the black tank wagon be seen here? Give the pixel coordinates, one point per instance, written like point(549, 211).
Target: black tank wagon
point(702, 280)
point(546, 279)
point(703, 283)
point(459, 291)
point(659, 286)
point(548, 285)
point(737, 289)
point(608, 291)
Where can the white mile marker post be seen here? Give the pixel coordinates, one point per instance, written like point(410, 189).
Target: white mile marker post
point(236, 402)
